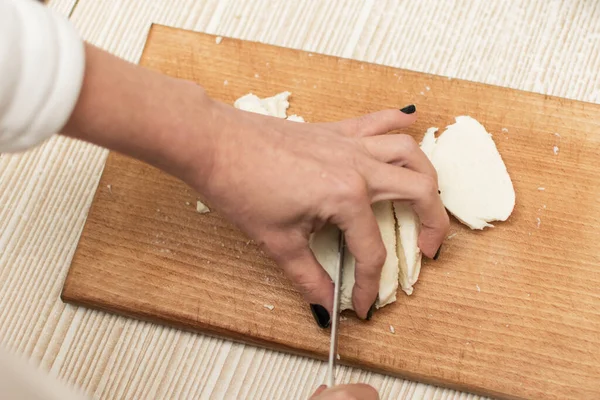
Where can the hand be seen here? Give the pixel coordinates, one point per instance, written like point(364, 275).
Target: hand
point(357, 391)
point(279, 181)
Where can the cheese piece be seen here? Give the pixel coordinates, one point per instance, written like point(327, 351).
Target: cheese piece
point(409, 254)
point(275, 106)
point(201, 207)
point(409, 227)
point(295, 118)
point(428, 142)
point(324, 245)
point(474, 183)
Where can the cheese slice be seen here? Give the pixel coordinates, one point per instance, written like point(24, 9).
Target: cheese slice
point(428, 142)
point(472, 177)
point(295, 118)
point(324, 245)
point(409, 254)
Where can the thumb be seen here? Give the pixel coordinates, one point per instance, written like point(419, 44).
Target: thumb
point(319, 390)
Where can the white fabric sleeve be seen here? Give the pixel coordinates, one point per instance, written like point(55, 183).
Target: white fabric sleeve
point(42, 62)
point(22, 380)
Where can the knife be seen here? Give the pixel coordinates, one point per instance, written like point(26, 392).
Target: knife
point(335, 318)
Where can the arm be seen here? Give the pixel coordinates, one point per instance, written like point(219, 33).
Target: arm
point(163, 121)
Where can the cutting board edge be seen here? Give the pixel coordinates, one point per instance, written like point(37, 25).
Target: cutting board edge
point(208, 330)
point(549, 97)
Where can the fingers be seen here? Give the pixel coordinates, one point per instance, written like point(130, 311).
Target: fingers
point(400, 150)
point(388, 182)
point(317, 392)
point(347, 392)
point(305, 272)
point(377, 123)
point(363, 239)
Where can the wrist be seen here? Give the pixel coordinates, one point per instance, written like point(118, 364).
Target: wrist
point(166, 122)
point(185, 139)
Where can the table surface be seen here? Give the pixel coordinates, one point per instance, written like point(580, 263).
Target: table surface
point(546, 47)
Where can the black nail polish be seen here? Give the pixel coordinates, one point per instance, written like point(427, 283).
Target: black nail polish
point(321, 315)
point(437, 254)
point(372, 309)
point(409, 109)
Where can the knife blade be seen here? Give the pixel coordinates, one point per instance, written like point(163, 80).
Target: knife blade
point(335, 318)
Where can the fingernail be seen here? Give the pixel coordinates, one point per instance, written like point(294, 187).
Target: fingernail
point(321, 315)
point(439, 192)
point(409, 109)
point(372, 309)
point(437, 254)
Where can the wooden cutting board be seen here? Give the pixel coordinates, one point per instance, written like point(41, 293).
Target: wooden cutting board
point(512, 312)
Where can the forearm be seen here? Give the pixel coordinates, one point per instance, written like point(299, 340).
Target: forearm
point(163, 121)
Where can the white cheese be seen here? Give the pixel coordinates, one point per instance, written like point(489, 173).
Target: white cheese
point(324, 245)
point(251, 103)
point(295, 118)
point(409, 254)
point(409, 226)
point(428, 142)
point(474, 183)
point(274, 106)
point(201, 207)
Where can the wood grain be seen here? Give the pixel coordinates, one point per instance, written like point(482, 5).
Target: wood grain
point(511, 312)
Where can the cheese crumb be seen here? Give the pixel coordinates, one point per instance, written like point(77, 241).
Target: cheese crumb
point(555, 149)
point(275, 106)
point(478, 288)
point(201, 207)
point(270, 307)
point(451, 236)
point(392, 329)
point(109, 187)
point(295, 118)
point(505, 130)
point(541, 189)
point(256, 75)
point(427, 88)
point(337, 356)
point(225, 82)
point(539, 221)
point(218, 39)
point(187, 203)
point(556, 134)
